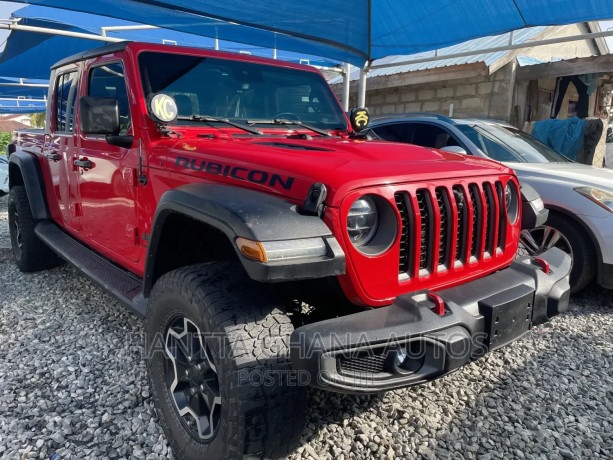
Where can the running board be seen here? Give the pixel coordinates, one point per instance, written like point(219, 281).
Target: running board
point(121, 284)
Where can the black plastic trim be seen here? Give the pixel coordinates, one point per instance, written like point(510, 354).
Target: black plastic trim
point(240, 212)
point(480, 316)
point(530, 216)
point(94, 52)
point(29, 168)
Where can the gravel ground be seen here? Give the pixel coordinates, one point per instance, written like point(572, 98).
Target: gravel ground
point(73, 382)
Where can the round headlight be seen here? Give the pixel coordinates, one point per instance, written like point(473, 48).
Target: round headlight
point(362, 221)
point(511, 198)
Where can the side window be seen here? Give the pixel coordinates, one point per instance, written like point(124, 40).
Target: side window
point(397, 132)
point(428, 135)
point(65, 98)
point(109, 81)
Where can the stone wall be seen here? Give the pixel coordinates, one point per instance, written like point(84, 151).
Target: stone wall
point(479, 96)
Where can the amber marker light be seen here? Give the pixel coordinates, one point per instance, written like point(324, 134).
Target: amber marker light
point(252, 249)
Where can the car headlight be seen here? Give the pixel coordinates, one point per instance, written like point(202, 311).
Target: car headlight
point(362, 221)
point(511, 198)
point(602, 198)
point(372, 224)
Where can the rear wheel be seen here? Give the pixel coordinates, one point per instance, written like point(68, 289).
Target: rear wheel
point(218, 356)
point(30, 253)
point(562, 233)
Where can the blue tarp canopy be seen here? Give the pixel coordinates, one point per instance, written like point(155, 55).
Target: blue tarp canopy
point(355, 31)
point(31, 54)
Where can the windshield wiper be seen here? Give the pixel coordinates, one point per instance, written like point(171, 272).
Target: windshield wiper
point(281, 122)
point(207, 118)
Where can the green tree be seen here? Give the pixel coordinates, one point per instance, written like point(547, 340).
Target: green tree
point(5, 139)
point(37, 119)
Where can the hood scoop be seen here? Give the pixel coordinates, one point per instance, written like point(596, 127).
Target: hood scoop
point(287, 145)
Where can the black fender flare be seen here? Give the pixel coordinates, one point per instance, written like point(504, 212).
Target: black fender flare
point(241, 212)
point(31, 174)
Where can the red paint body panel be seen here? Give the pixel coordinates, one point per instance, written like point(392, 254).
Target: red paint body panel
point(116, 211)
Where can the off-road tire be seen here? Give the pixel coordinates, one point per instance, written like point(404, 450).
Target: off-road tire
point(30, 253)
point(252, 338)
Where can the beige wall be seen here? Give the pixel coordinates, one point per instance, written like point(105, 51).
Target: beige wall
point(482, 96)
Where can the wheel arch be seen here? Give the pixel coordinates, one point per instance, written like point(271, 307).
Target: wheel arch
point(588, 231)
point(224, 213)
point(24, 169)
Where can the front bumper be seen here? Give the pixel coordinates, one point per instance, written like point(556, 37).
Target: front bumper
point(363, 352)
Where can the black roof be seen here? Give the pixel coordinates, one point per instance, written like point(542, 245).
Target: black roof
point(100, 51)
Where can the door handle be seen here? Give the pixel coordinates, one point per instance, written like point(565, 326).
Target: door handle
point(53, 156)
point(84, 163)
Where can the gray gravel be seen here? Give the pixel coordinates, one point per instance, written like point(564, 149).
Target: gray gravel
point(73, 382)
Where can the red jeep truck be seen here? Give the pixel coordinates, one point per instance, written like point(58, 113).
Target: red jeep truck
point(268, 245)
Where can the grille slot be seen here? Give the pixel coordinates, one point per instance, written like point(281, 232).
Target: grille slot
point(490, 228)
point(502, 216)
point(402, 203)
point(485, 199)
point(475, 242)
point(462, 207)
point(445, 212)
point(425, 211)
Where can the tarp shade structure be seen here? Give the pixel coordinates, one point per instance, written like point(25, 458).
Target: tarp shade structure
point(31, 54)
point(355, 31)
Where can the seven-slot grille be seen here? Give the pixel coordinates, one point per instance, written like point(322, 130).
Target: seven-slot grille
point(438, 211)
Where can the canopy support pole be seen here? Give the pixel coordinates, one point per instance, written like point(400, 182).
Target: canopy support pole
point(346, 86)
point(104, 30)
point(64, 33)
point(362, 87)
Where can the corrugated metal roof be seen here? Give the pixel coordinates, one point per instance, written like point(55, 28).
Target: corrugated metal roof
point(519, 36)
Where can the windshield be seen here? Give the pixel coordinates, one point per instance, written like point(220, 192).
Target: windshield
point(502, 143)
point(240, 91)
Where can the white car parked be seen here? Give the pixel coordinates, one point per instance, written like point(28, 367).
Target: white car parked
point(4, 176)
point(579, 197)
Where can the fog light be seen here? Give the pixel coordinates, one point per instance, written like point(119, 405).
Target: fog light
point(401, 357)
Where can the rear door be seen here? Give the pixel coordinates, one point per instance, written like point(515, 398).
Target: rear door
point(108, 189)
point(61, 149)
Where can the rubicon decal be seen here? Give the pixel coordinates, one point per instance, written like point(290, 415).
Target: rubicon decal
point(235, 172)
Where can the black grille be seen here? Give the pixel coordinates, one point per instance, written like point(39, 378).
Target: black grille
point(483, 198)
point(365, 364)
point(490, 228)
point(405, 254)
point(461, 206)
point(426, 225)
point(476, 205)
point(502, 216)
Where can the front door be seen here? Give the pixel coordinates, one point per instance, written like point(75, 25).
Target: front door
point(108, 188)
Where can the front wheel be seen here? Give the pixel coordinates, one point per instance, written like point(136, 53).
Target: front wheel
point(562, 233)
point(218, 357)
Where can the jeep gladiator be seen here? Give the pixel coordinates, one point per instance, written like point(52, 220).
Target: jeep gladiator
point(268, 245)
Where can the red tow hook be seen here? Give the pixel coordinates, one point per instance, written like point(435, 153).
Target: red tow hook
point(439, 303)
point(543, 264)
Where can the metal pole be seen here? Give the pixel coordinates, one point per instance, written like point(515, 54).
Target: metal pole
point(26, 85)
point(362, 88)
point(346, 86)
point(216, 44)
point(104, 30)
point(64, 33)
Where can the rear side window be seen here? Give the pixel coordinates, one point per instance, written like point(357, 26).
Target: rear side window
point(397, 132)
point(109, 81)
point(65, 98)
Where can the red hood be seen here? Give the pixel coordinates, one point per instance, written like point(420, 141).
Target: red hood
point(290, 166)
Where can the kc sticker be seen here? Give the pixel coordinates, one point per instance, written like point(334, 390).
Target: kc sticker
point(163, 108)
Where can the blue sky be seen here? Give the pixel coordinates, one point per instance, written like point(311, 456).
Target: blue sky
point(6, 8)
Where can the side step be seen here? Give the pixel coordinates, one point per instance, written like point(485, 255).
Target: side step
point(120, 283)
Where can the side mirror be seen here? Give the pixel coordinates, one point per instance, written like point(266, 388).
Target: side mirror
point(359, 119)
point(455, 149)
point(99, 115)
